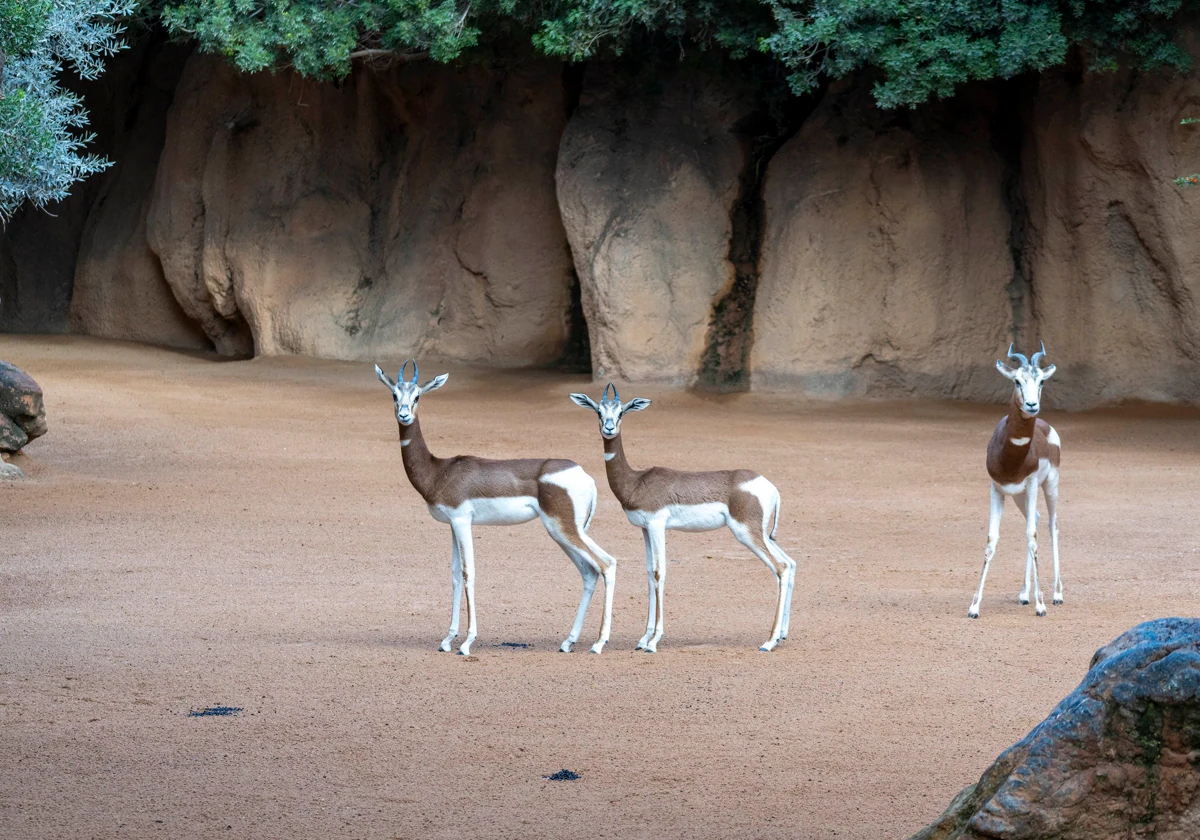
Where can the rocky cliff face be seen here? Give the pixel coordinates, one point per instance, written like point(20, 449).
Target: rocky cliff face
point(647, 176)
point(454, 212)
point(886, 257)
point(405, 213)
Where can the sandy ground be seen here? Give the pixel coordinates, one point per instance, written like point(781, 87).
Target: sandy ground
point(195, 532)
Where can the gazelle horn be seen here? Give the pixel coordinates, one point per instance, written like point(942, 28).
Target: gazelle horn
point(1018, 357)
point(1037, 357)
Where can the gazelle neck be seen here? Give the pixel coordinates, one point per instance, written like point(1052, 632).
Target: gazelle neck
point(620, 474)
point(1019, 427)
point(419, 464)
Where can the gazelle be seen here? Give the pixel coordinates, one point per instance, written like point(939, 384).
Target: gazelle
point(464, 491)
point(658, 499)
point(1022, 456)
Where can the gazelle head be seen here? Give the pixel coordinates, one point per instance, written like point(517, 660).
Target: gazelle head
point(1027, 379)
point(406, 393)
point(610, 410)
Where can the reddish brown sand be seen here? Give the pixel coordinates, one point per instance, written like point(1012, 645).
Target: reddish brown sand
point(195, 532)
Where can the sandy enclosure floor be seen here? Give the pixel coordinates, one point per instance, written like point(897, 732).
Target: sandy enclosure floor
point(195, 532)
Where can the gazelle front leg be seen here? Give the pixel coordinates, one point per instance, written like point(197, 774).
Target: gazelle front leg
point(658, 550)
point(466, 550)
point(651, 610)
point(1031, 519)
point(997, 511)
point(1050, 488)
point(456, 586)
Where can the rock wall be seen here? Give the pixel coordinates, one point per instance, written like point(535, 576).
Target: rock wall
point(647, 176)
point(119, 290)
point(886, 256)
point(455, 212)
point(1111, 246)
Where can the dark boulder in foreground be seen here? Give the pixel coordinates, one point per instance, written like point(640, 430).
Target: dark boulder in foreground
point(1118, 758)
point(22, 417)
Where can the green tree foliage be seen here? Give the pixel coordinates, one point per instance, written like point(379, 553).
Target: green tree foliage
point(920, 48)
point(41, 151)
point(319, 38)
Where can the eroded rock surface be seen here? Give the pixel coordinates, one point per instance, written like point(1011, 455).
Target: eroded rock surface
point(1118, 759)
point(1112, 247)
point(22, 415)
point(407, 212)
point(647, 177)
point(885, 258)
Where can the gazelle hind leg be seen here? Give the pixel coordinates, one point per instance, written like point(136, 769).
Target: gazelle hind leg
point(1031, 519)
point(608, 568)
point(457, 588)
point(1050, 490)
point(746, 537)
point(997, 511)
point(790, 565)
point(651, 610)
point(782, 557)
point(466, 549)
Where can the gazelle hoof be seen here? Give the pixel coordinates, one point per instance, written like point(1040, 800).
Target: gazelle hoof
point(767, 648)
point(565, 647)
point(1057, 601)
point(444, 647)
point(1024, 602)
point(649, 649)
point(1040, 613)
point(972, 615)
point(597, 648)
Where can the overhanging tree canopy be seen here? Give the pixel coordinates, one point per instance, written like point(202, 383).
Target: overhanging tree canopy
point(921, 48)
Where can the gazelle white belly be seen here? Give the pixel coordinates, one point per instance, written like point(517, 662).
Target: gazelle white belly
point(703, 517)
point(1045, 470)
point(508, 510)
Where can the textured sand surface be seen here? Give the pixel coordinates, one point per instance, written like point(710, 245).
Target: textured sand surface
point(194, 532)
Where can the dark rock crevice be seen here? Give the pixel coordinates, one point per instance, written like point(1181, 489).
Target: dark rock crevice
point(725, 363)
point(577, 350)
point(1008, 133)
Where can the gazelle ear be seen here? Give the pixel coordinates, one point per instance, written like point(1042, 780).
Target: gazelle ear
point(635, 404)
point(383, 377)
point(1005, 370)
point(1047, 371)
point(585, 401)
point(435, 383)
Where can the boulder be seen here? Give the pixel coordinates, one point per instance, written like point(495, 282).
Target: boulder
point(1118, 758)
point(886, 258)
point(403, 212)
point(22, 415)
point(647, 176)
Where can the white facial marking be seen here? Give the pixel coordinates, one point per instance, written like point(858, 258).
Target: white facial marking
point(1021, 441)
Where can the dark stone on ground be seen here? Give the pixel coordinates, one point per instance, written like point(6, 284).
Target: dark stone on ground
point(1118, 758)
